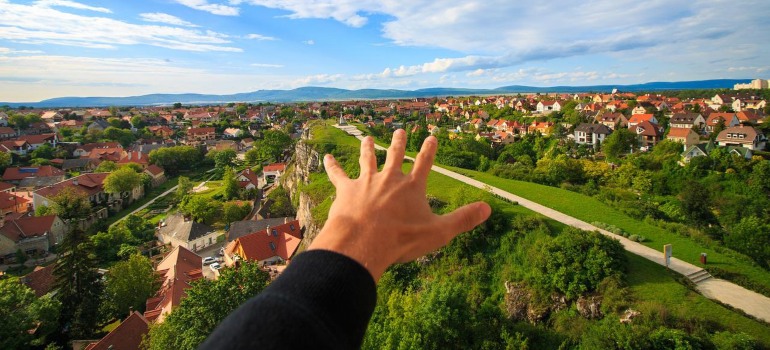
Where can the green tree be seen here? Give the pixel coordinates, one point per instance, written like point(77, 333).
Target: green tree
point(224, 158)
point(5, 160)
point(78, 285)
point(22, 312)
point(206, 304)
point(125, 137)
point(621, 141)
point(229, 184)
point(175, 159)
point(71, 204)
point(201, 208)
point(137, 122)
point(232, 212)
point(270, 147)
point(122, 180)
point(241, 109)
point(750, 237)
point(576, 262)
point(279, 203)
point(107, 243)
point(695, 201)
point(45, 151)
point(106, 166)
point(129, 284)
point(184, 186)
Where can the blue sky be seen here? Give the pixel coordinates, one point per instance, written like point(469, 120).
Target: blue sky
point(54, 48)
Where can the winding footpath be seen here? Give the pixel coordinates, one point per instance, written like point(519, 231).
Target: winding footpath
point(752, 303)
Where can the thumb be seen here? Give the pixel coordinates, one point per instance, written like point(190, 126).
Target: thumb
point(465, 218)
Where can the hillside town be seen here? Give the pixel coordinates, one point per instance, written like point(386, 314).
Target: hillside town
point(193, 189)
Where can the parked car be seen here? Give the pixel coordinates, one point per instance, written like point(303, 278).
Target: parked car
point(209, 260)
point(215, 267)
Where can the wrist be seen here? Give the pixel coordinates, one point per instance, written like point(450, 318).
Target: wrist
point(340, 235)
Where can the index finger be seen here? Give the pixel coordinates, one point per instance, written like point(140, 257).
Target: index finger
point(424, 160)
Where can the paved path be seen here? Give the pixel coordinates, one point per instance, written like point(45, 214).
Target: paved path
point(145, 205)
point(750, 302)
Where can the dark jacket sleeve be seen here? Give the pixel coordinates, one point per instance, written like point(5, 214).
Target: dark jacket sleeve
point(323, 300)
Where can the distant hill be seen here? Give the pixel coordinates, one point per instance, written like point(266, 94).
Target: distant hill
point(333, 94)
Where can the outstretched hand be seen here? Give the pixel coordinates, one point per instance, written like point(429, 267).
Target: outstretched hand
point(383, 217)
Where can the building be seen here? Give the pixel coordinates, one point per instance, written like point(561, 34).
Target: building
point(726, 119)
point(92, 186)
point(687, 121)
point(272, 172)
point(157, 175)
point(742, 136)
point(548, 106)
point(687, 137)
point(273, 245)
point(248, 179)
point(178, 230)
point(754, 84)
point(128, 335)
point(591, 134)
point(33, 235)
point(16, 175)
point(648, 134)
point(638, 118)
point(199, 135)
point(177, 271)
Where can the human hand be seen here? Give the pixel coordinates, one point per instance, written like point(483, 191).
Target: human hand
point(383, 217)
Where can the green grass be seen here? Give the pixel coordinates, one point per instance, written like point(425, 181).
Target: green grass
point(647, 281)
point(590, 210)
point(148, 196)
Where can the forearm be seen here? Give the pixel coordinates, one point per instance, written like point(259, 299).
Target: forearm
point(322, 300)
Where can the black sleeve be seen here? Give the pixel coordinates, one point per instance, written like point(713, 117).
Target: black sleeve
point(323, 300)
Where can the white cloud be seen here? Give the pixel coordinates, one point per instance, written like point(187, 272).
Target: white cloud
point(71, 4)
point(309, 42)
point(748, 69)
point(318, 79)
point(158, 17)
point(260, 37)
point(266, 65)
point(503, 33)
point(215, 9)
point(42, 25)
point(9, 51)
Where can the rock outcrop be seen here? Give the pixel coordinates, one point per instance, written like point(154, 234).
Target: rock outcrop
point(305, 161)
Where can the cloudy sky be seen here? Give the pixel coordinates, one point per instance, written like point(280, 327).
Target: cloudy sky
point(54, 48)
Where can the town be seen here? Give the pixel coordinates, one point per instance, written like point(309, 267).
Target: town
point(161, 198)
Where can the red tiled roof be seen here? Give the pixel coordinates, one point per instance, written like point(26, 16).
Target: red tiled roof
point(281, 240)
point(679, 132)
point(251, 176)
point(638, 118)
point(88, 184)
point(127, 336)
point(4, 186)
point(646, 128)
point(27, 226)
point(135, 157)
point(178, 269)
point(196, 131)
point(154, 170)
point(37, 139)
point(17, 173)
point(8, 200)
point(275, 167)
point(92, 146)
point(40, 280)
point(6, 130)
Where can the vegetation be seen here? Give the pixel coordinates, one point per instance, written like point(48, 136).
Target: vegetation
point(128, 285)
point(23, 312)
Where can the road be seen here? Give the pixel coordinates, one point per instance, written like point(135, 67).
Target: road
point(752, 303)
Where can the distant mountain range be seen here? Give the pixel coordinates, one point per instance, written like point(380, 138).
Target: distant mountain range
point(333, 94)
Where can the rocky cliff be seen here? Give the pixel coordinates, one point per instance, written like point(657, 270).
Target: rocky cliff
point(305, 161)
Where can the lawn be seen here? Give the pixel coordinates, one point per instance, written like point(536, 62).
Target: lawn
point(590, 210)
point(648, 281)
point(148, 196)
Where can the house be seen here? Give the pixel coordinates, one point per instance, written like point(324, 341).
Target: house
point(86, 149)
point(242, 228)
point(156, 173)
point(162, 131)
point(232, 133)
point(726, 119)
point(135, 157)
point(612, 120)
point(272, 172)
point(15, 175)
point(544, 128)
point(591, 134)
point(178, 230)
point(638, 118)
point(687, 137)
point(80, 165)
point(177, 271)
point(33, 235)
point(71, 124)
point(742, 136)
point(36, 141)
point(698, 150)
point(548, 106)
point(51, 116)
point(687, 120)
point(248, 179)
point(649, 134)
point(3, 119)
point(18, 147)
point(7, 187)
point(99, 125)
point(749, 117)
point(205, 117)
point(128, 335)
point(198, 135)
point(7, 133)
point(742, 104)
point(11, 203)
point(92, 186)
point(38, 128)
point(41, 280)
point(110, 154)
point(273, 245)
point(247, 143)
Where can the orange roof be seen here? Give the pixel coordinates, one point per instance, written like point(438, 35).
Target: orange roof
point(126, 336)
point(27, 226)
point(275, 167)
point(195, 131)
point(154, 170)
point(679, 132)
point(8, 200)
point(281, 240)
point(17, 173)
point(638, 118)
point(178, 269)
point(40, 280)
